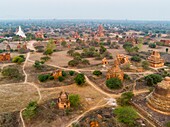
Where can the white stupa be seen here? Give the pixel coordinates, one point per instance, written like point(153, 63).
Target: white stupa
point(21, 33)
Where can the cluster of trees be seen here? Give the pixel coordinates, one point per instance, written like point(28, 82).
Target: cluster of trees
point(114, 83)
point(125, 98)
point(153, 79)
point(38, 65)
point(152, 45)
point(18, 59)
point(45, 77)
point(78, 60)
point(136, 58)
point(50, 48)
point(74, 100)
point(130, 48)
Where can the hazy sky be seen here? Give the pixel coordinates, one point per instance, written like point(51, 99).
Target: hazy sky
point(86, 9)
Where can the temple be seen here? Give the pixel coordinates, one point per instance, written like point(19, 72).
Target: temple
point(155, 60)
point(39, 35)
point(115, 71)
point(57, 74)
point(21, 33)
point(100, 30)
point(63, 101)
point(104, 62)
point(5, 57)
point(122, 59)
point(159, 99)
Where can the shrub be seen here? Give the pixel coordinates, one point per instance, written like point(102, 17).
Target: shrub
point(97, 73)
point(60, 78)
point(31, 110)
point(126, 115)
point(114, 83)
point(45, 58)
point(64, 74)
point(51, 77)
point(71, 73)
point(85, 62)
point(126, 77)
point(145, 65)
point(73, 63)
point(43, 77)
point(11, 72)
point(152, 45)
point(168, 124)
point(38, 64)
point(80, 79)
point(48, 52)
point(153, 79)
point(136, 58)
point(18, 59)
point(125, 98)
point(74, 100)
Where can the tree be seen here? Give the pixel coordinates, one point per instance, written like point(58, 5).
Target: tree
point(85, 62)
point(136, 58)
point(73, 63)
point(126, 115)
point(48, 51)
point(80, 79)
point(43, 77)
point(97, 73)
point(145, 65)
point(152, 45)
point(71, 52)
point(64, 43)
point(125, 98)
point(31, 110)
point(74, 100)
point(38, 65)
point(153, 79)
point(167, 50)
point(50, 47)
point(64, 74)
point(114, 83)
point(60, 78)
point(18, 59)
point(127, 45)
point(168, 124)
point(71, 73)
point(102, 49)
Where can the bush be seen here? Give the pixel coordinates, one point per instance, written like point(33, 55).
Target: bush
point(51, 77)
point(31, 110)
point(136, 58)
point(73, 63)
point(43, 77)
point(145, 65)
point(168, 124)
point(18, 59)
point(153, 79)
point(152, 45)
point(126, 115)
point(80, 79)
point(64, 74)
point(74, 100)
point(38, 65)
point(114, 83)
point(60, 78)
point(45, 58)
point(48, 52)
point(71, 73)
point(11, 72)
point(125, 98)
point(85, 62)
point(126, 77)
point(97, 73)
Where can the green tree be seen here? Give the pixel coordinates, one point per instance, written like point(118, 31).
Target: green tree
point(73, 63)
point(126, 115)
point(152, 45)
point(136, 58)
point(64, 43)
point(71, 52)
point(60, 78)
point(145, 65)
point(125, 98)
point(80, 79)
point(71, 73)
point(102, 49)
point(18, 59)
point(31, 110)
point(74, 100)
point(43, 77)
point(38, 65)
point(153, 79)
point(168, 124)
point(114, 83)
point(97, 73)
